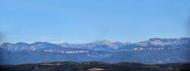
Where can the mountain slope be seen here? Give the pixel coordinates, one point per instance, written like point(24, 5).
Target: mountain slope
point(155, 50)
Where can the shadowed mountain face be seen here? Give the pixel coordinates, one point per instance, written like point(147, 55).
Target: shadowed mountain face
point(87, 66)
point(152, 51)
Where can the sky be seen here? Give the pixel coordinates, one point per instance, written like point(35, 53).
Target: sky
point(81, 21)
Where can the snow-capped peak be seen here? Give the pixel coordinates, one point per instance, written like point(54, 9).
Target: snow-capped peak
point(111, 44)
point(159, 42)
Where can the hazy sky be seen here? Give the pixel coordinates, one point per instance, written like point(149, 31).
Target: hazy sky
point(79, 21)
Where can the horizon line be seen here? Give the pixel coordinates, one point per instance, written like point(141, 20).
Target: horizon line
point(98, 40)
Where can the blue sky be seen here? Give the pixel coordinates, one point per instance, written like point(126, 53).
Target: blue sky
point(81, 21)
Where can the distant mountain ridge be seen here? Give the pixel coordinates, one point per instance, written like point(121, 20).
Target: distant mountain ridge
point(152, 51)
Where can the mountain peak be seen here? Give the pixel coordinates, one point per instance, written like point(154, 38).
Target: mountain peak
point(102, 41)
point(163, 41)
point(112, 44)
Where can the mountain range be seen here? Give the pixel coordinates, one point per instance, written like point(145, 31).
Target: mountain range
point(152, 51)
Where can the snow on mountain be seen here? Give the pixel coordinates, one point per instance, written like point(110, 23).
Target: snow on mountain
point(150, 51)
point(100, 45)
point(105, 45)
point(159, 42)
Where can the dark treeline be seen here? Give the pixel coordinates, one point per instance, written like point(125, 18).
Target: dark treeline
point(73, 66)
